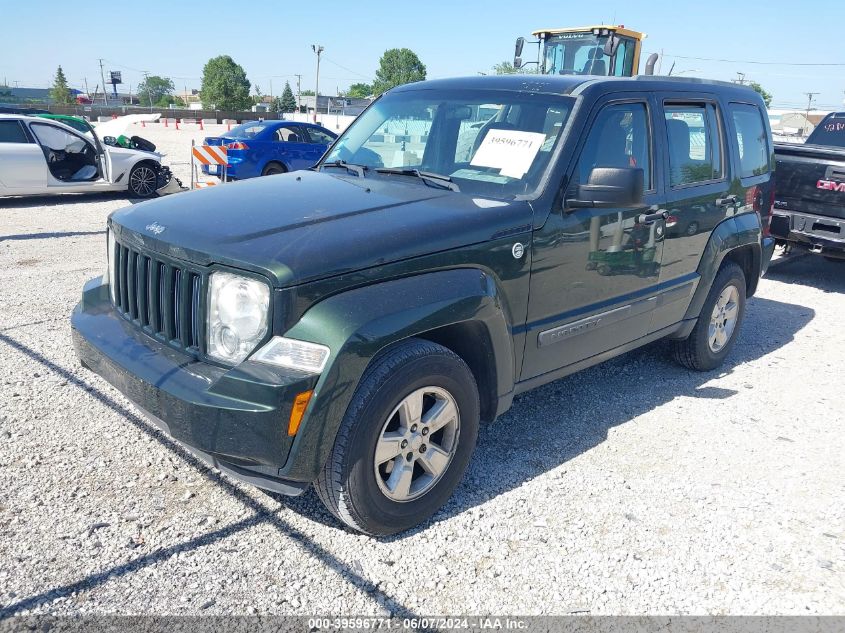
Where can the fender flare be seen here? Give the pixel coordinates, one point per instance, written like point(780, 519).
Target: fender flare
point(359, 324)
point(731, 234)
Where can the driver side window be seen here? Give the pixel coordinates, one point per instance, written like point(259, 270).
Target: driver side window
point(619, 137)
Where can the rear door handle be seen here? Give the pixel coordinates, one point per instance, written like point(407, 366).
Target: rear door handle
point(727, 201)
point(648, 218)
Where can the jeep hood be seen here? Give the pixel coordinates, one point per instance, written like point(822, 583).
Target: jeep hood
point(304, 226)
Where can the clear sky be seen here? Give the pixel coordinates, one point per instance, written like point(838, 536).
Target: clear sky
point(272, 40)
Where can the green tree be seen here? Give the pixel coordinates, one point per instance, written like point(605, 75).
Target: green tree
point(505, 68)
point(225, 85)
point(767, 96)
point(167, 100)
point(396, 67)
point(307, 93)
point(153, 89)
point(288, 102)
point(60, 93)
point(259, 96)
point(360, 90)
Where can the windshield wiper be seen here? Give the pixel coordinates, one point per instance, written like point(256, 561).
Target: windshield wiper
point(358, 170)
point(437, 180)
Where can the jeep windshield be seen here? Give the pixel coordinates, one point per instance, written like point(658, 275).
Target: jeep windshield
point(493, 143)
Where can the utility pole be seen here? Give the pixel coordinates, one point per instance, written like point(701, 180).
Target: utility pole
point(740, 78)
point(319, 50)
point(87, 94)
point(147, 86)
point(810, 96)
point(298, 90)
point(103, 78)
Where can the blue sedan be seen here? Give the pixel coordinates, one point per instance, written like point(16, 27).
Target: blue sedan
point(262, 148)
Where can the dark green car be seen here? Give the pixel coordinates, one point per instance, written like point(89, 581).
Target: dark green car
point(464, 241)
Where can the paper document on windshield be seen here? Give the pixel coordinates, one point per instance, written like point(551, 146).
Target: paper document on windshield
point(509, 151)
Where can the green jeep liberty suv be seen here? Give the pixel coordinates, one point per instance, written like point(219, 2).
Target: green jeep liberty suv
point(465, 240)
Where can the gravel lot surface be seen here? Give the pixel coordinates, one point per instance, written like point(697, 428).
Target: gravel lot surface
point(635, 487)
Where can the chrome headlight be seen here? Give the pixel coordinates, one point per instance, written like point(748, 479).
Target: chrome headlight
point(111, 272)
point(238, 309)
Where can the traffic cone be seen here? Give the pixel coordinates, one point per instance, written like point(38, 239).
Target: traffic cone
point(165, 122)
point(201, 127)
point(177, 123)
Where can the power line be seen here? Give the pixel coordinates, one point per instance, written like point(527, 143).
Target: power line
point(349, 70)
point(750, 61)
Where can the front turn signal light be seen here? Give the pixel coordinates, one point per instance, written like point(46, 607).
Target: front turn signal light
point(297, 412)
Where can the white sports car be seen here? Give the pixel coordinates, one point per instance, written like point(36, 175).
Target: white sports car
point(41, 156)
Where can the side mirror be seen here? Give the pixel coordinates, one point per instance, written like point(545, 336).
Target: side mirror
point(520, 42)
point(611, 45)
point(611, 187)
point(517, 63)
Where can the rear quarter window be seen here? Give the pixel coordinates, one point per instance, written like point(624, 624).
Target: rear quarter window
point(12, 132)
point(751, 139)
point(830, 131)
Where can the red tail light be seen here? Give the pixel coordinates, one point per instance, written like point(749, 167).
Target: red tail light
point(671, 221)
point(237, 145)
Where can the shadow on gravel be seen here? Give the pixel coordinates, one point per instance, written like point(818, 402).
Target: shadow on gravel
point(47, 236)
point(262, 514)
point(28, 202)
point(557, 422)
point(812, 271)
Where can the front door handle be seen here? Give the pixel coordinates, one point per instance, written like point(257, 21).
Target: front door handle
point(727, 201)
point(648, 218)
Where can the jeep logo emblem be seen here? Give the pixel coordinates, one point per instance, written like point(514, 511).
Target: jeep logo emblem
point(155, 228)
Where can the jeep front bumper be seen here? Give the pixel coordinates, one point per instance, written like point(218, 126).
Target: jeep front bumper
point(235, 419)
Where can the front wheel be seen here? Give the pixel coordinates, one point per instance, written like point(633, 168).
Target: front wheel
point(143, 181)
point(718, 322)
point(405, 441)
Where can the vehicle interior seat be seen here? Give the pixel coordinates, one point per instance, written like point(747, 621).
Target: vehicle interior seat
point(679, 149)
point(595, 64)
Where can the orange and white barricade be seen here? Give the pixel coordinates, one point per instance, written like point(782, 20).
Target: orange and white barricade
point(215, 157)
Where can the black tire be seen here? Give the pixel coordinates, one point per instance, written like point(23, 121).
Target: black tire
point(347, 485)
point(143, 180)
point(694, 352)
point(692, 228)
point(273, 168)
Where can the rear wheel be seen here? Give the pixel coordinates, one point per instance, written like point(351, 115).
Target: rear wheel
point(405, 441)
point(718, 323)
point(273, 168)
point(143, 181)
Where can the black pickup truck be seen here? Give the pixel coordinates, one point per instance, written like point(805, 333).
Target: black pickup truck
point(464, 241)
point(810, 191)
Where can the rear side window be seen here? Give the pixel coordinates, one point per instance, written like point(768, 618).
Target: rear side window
point(289, 135)
point(830, 132)
point(12, 132)
point(694, 141)
point(751, 139)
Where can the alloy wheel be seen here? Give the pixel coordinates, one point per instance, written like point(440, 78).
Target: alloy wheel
point(142, 181)
point(724, 318)
point(417, 444)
